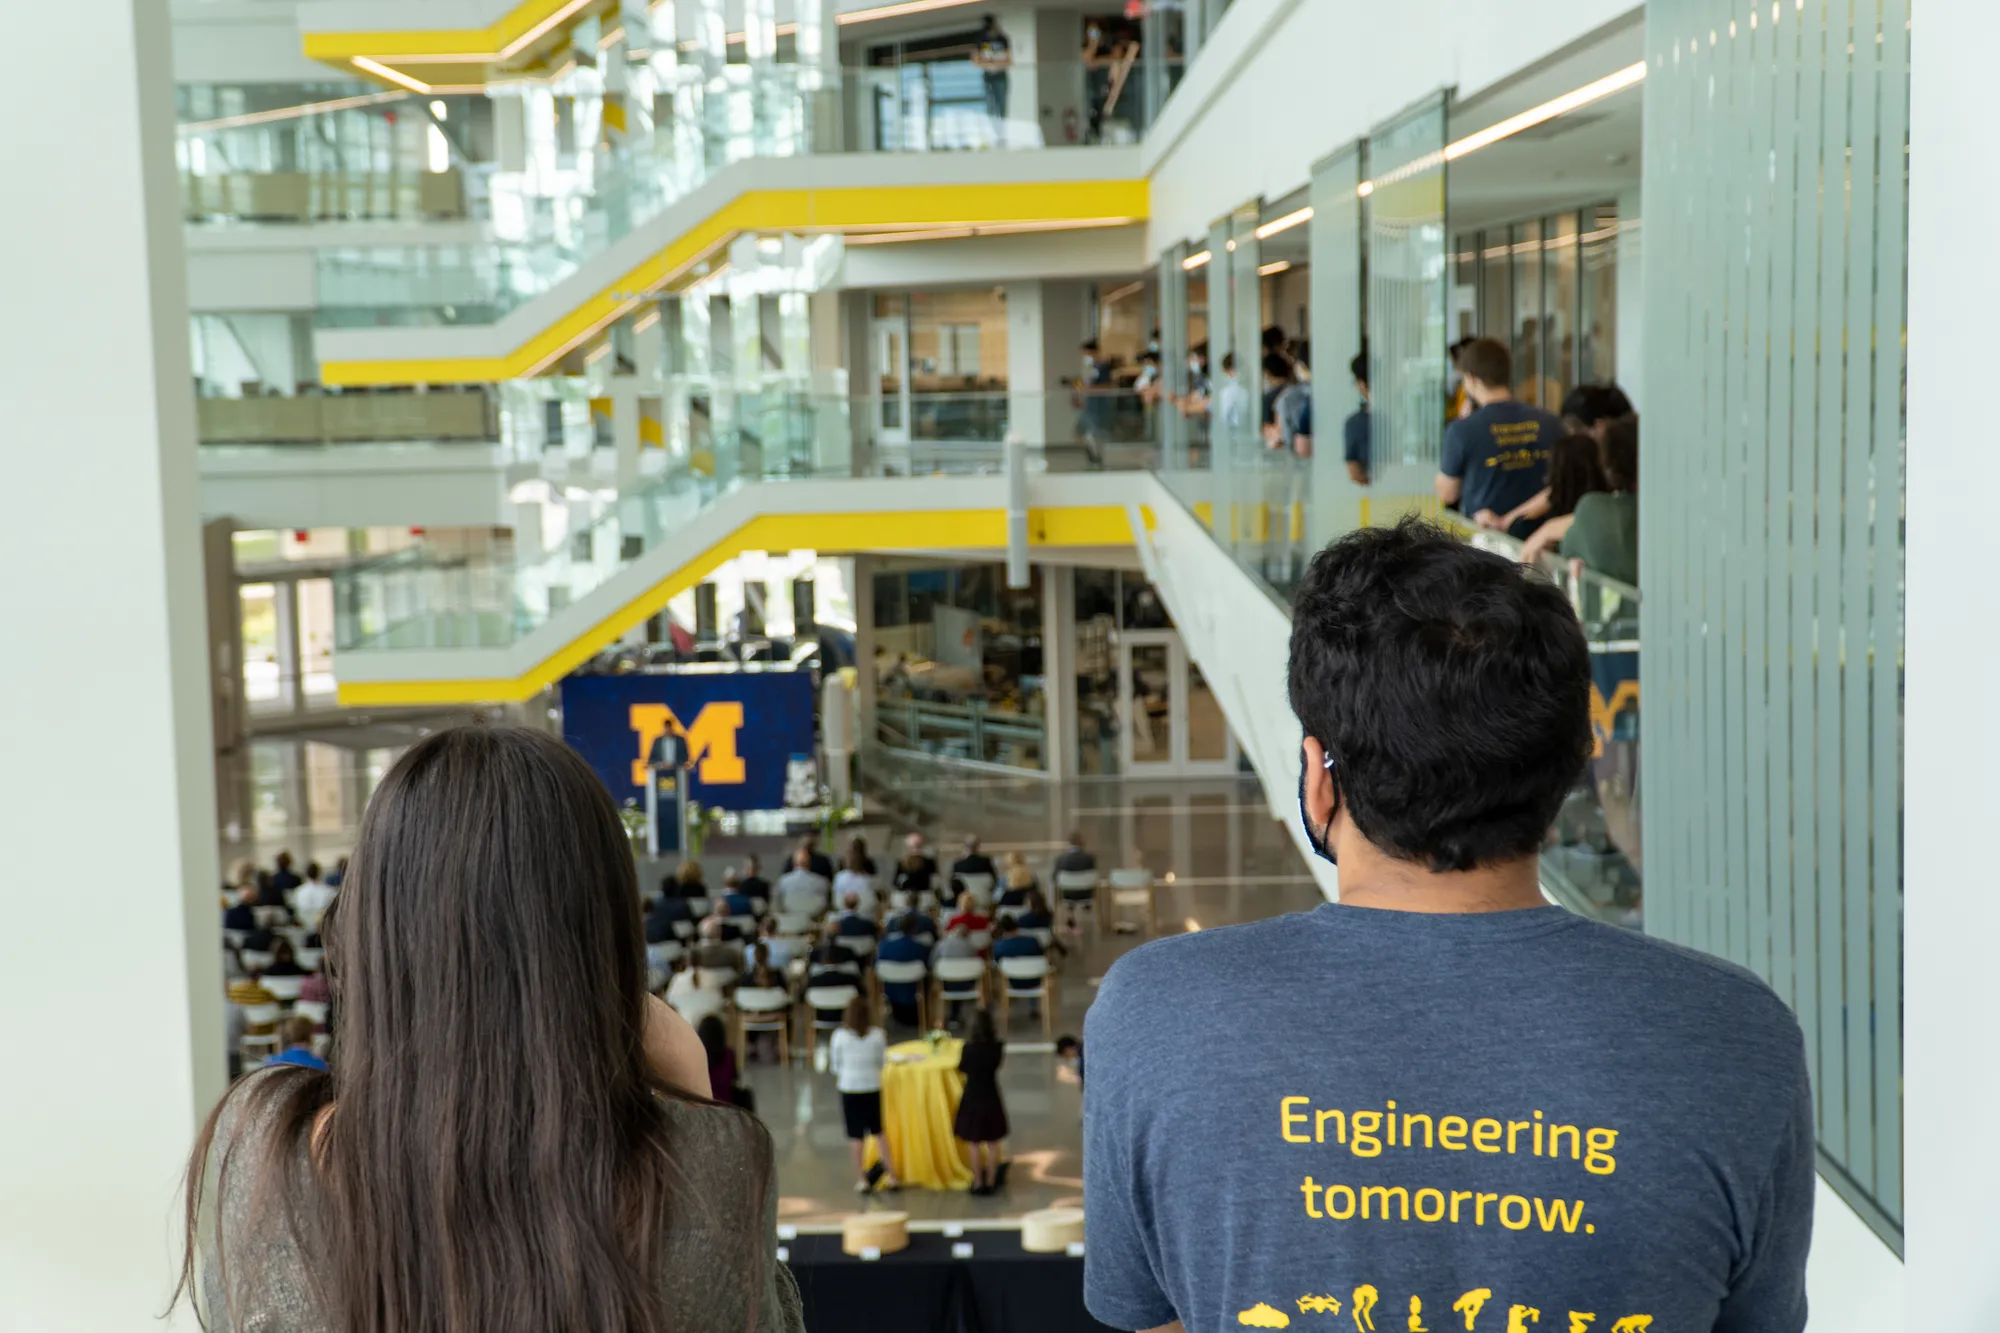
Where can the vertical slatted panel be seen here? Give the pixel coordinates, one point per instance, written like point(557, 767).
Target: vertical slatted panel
point(1857, 563)
point(1335, 293)
point(1803, 575)
point(1827, 535)
point(1752, 561)
point(1772, 542)
point(1886, 748)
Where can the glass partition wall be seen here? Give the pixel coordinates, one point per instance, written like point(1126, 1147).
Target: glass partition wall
point(1548, 288)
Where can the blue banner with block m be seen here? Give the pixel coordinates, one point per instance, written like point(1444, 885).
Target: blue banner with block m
point(740, 731)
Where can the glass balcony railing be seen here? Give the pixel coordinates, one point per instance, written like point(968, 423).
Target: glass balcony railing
point(438, 416)
point(1260, 511)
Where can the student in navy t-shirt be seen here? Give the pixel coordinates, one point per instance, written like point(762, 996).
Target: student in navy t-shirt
point(1406, 1110)
point(1497, 458)
point(1357, 431)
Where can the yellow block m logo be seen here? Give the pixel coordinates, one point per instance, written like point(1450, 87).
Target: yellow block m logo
point(711, 740)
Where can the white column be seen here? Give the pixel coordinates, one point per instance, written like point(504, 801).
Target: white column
point(1028, 373)
point(1950, 788)
point(1059, 669)
point(1631, 238)
point(109, 772)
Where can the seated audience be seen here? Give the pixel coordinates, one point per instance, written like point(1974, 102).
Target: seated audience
point(735, 902)
point(249, 992)
point(830, 952)
point(242, 916)
point(283, 880)
point(1010, 942)
point(1075, 857)
point(337, 874)
point(689, 882)
point(1017, 883)
point(297, 1035)
point(759, 971)
point(974, 862)
point(817, 861)
point(753, 882)
point(857, 851)
point(909, 941)
point(668, 909)
point(284, 962)
point(803, 891)
point(915, 876)
point(313, 989)
point(855, 922)
point(913, 845)
point(777, 946)
point(856, 882)
point(715, 951)
point(957, 943)
point(313, 898)
point(968, 916)
point(606, 1237)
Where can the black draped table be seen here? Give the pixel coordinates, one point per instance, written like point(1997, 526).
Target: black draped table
point(998, 1288)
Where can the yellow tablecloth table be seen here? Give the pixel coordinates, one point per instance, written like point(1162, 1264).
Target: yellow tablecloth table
point(919, 1100)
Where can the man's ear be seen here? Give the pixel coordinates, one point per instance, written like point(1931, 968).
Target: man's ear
point(1319, 797)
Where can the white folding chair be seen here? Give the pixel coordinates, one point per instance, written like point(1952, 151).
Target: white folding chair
point(861, 946)
point(795, 923)
point(260, 1029)
point(764, 1009)
point(1078, 888)
point(700, 906)
point(1042, 935)
point(284, 989)
point(310, 959)
point(697, 1004)
point(717, 979)
point(906, 974)
point(958, 980)
point(258, 959)
point(270, 917)
point(1133, 888)
point(1027, 978)
point(314, 1009)
point(235, 938)
point(296, 934)
point(826, 1006)
point(684, 931)
point(979, 886)
point(746, 924)
point(759, 906)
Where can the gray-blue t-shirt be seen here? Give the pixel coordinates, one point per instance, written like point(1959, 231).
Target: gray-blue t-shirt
point(1363, 1121)
point(1500, 454)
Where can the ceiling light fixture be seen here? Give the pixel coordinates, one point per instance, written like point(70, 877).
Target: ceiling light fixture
point(1196, 260)
point(1285, 223)
point(287, 112)
point(894, 11)
point(1266, 270)
point(382, 71)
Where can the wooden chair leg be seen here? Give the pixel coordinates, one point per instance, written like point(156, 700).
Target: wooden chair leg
point(1048, 1009)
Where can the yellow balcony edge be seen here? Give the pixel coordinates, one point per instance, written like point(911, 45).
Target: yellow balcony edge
point(840, 208)
point(838, 533)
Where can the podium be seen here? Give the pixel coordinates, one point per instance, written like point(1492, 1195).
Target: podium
point(666, 808)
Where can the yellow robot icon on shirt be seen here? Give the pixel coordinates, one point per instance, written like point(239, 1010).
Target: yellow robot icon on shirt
point(1520, 1316)
point(1319, 1305)
point(1580, 1323)
point(1365, 1297)
point(1261, 1315)
point(1633, 1323)
point(1472, 1303)
point(1417, 1315)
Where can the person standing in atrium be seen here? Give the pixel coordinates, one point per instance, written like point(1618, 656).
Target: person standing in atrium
point(1415, 1084)
point(993, 56)
point(1497, 458)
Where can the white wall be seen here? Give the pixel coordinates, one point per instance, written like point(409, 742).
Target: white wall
point(1095, 252)
point(1952, 914)
point(1282, 83)
point(241, 41)
point(358, 486)
point(107, 789)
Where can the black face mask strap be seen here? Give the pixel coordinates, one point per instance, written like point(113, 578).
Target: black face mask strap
point(1319, 840)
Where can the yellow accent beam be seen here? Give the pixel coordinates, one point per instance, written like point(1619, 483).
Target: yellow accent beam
point(838, 533)
point(521, 33)
point(836, 209)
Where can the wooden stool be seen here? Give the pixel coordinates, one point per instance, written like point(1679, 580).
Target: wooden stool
point(884, 1233)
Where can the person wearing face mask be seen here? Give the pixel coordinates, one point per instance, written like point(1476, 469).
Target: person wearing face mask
point(1438, 1033)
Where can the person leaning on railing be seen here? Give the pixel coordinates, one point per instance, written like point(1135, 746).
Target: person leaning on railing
point(1605, 533)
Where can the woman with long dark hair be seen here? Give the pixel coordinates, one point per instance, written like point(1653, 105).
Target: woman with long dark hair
point(982, 1117)
point(1576, 469)
point(514, 1135)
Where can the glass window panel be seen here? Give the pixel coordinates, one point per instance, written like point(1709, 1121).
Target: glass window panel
point(1598, 276)
point(1524, 335)
point(1559, 343)
point(1152, 722)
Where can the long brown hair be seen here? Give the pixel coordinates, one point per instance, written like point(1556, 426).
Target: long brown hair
point(497, 1156)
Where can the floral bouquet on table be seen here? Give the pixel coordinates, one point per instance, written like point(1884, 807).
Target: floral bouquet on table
point(936, 1038)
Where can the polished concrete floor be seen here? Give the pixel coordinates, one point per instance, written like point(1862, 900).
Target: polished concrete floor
point(1211, 844)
